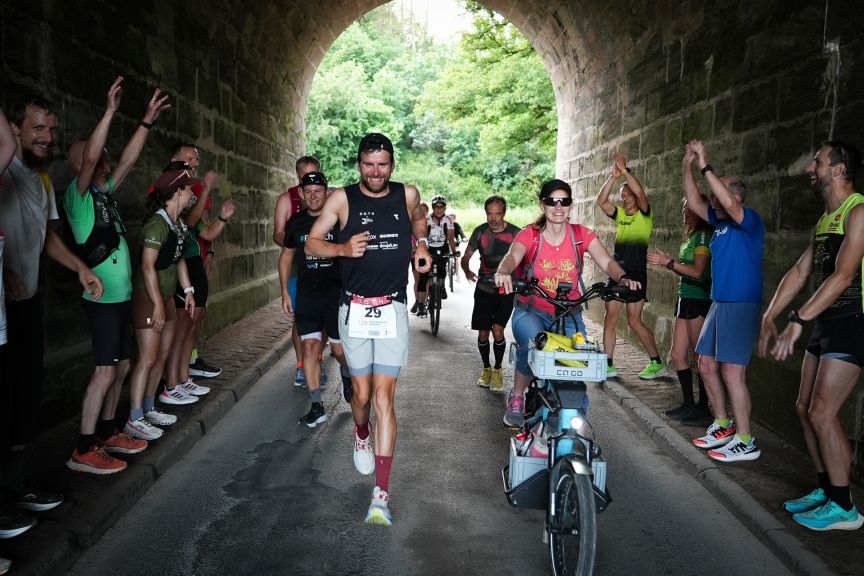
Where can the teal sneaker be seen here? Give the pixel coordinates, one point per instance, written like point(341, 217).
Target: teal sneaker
point(611, 371)
point(653, 370)
point(830, 516)
point(811, 501)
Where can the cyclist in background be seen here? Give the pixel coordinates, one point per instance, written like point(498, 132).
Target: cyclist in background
point(491, 310)
point(550, 250)
point(442, 241)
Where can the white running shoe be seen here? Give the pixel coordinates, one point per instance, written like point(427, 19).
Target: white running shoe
point(157, 417)
point(193, 389)
point(364, 456)
point(142, 429)
point(379, 510)
point(177, 396)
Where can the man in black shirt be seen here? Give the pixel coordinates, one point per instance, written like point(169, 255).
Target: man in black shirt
point(319, 288)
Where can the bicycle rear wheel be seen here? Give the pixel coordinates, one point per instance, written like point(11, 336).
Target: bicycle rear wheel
point(434, 307)
point(572, 527)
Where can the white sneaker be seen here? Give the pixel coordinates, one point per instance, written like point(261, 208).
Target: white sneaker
point(157, 417)
point(142, 429)
point(194, 389)
point(177, 396)
point(379, 510)
point(364, 457)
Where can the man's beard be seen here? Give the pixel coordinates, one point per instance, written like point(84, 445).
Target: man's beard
point(32, 160)
point(370, 188)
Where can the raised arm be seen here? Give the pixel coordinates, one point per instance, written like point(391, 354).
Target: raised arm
point(158, 103)
point(96, 143)
point(197, 211)
point(695, 200)
point(603, 196)
point(215, 228)
point(8, 144)
point(632, 183)
point(726, 199)
point(280, 218)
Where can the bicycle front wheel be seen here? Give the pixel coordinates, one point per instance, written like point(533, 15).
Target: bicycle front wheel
point(572, 523)
point(434, 307)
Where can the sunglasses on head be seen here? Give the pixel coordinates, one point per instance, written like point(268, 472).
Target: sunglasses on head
point(549, 201)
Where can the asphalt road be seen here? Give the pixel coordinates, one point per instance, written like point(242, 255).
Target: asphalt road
point(262, 495)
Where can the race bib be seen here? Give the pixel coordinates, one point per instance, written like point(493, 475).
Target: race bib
point(371, 317)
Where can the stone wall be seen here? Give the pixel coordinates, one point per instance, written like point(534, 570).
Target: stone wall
point(762, 82)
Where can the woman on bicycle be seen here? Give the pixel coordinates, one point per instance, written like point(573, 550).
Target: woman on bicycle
point(163, 239)
point(552, 251)
point(694, 299)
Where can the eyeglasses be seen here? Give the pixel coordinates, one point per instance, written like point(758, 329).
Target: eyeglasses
point(549, 201)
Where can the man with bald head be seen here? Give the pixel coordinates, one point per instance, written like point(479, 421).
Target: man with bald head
point(732, 325)
point(100, 237)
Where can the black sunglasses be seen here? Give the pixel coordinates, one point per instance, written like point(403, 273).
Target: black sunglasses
point(549, 201)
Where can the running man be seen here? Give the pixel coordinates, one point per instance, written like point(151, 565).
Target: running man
point(835, 352)
point(634, 222)
point(492, 310)
point(375, 218)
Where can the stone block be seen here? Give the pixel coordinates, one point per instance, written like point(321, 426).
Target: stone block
point(723, 110)
point(633, 116)
point(755, 105)
point(698, 124)
point(800, 90)
point(799, 205)
point(753, 152)
point(653, 140)
point(224, 136)
point(787, 143)
point(673, 135)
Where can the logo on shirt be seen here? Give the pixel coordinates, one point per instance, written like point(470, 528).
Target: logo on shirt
point(396, 216)
point(367, 217)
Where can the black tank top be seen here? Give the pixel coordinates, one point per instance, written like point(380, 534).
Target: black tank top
point(383, 269)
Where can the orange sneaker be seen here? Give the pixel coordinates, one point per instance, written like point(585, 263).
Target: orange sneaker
point(95, 461)
point(123, 443)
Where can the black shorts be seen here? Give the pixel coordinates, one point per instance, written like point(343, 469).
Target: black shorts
point(640, 276)
point(110, 331)
point(198, 279)
point(318, 310)
point(491, 308)
point(690, 308)
point(839, 338)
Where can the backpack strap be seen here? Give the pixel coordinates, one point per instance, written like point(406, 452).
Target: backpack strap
point(579, 262)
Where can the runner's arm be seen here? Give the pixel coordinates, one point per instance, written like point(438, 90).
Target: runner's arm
point(608, 264)
point(280, 218)
point(286, 258)
point(158, 103)
point(791, 284)
point(332, 214)
point(695, 200)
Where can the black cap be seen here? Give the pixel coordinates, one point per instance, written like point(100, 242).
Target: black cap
point(555, 184)
point(313, 178)
point(374, 142)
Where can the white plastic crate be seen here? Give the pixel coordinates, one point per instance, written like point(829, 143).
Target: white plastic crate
point(546, 365)
point(523, 467)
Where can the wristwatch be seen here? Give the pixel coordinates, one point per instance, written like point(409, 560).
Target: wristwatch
point(794, 317)
point(671, 264)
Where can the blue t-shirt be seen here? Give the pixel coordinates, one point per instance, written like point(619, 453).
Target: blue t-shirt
point(736, 257)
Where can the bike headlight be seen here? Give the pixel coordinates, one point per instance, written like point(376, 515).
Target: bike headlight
point(577, 422)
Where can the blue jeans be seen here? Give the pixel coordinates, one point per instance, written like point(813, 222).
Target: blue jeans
point(527, 322)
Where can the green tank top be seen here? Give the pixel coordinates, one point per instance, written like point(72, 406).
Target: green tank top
point(827, 239)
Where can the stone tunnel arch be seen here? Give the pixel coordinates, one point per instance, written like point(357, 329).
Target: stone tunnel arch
point(762, 82)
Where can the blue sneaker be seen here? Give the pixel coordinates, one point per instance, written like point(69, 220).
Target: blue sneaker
point(299, 377)
point(811, 501)
point(830, 516)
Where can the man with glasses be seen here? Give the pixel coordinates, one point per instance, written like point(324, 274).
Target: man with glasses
point(100, 238)
point(835, 352)
point(732, 324)
point(634, 222)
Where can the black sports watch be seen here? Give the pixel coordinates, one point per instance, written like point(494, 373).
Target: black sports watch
point(794, 317)
point(671, 264)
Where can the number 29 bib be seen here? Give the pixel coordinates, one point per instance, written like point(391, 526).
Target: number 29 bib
point(371, 317)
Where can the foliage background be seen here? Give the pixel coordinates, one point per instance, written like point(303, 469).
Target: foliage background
point(469, 119)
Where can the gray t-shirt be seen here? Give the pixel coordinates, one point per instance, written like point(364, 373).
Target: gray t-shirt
point(26, 205)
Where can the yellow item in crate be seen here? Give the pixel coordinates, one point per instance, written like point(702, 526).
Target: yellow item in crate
point(551, 342)
point(578, 339)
